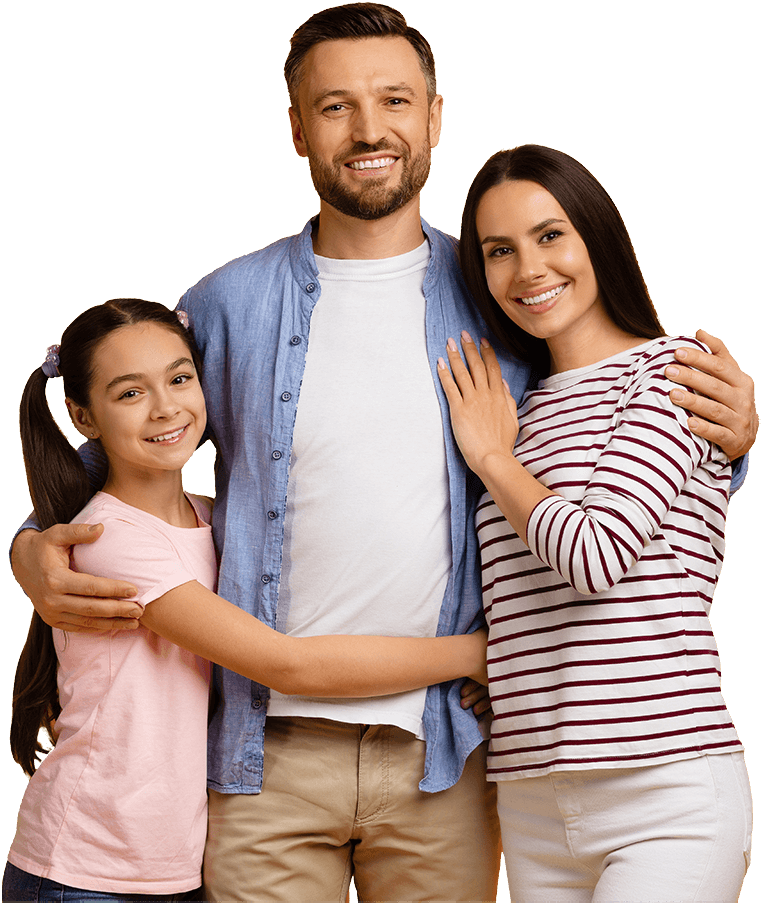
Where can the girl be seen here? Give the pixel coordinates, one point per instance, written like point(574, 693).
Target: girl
point(620, 774)
point(117, 811)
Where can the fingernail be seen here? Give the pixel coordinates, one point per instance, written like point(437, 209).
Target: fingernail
point(672, 371)
point(451, 345)
point(677, 395)
point(681, 353)
point(441, 365)
point(485, 344)
point(466, 337)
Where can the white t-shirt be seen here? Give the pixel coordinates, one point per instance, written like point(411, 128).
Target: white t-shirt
point(119, 805)
point(367, 530)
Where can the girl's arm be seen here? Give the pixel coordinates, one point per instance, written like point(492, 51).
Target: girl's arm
point(327, 666)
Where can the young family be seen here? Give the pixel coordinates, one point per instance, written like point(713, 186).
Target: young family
point(359, 383)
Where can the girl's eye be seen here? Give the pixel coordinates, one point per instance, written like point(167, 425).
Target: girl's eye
point(130, 394)
point(181, 378)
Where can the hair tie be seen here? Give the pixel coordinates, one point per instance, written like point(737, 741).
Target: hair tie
point(51, 362)
point(182, 316)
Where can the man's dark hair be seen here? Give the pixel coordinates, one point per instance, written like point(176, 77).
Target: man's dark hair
point(354, 21)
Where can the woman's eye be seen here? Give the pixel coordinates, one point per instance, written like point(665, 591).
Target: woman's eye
point(500, 251)
point(181, 378)
point(549, 236)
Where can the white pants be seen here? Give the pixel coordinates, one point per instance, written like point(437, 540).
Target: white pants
point(675, 832)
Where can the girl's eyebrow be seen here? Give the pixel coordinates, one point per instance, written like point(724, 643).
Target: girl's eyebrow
point(128, 378)
point(533, 231)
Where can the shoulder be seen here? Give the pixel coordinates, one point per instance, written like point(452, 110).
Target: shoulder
point(652, 359)
point(127, 534)
point(442, 245)
point(203, 506)
point(241, 274)
point(139, 548)
point(667, 345)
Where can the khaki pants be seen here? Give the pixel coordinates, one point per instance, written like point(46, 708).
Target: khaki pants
point(341, 801)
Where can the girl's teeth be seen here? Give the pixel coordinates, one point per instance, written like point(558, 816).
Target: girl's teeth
point(545, 296)
point(166, 436)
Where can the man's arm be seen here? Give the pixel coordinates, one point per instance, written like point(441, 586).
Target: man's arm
point(723, 404)
point(64, 599)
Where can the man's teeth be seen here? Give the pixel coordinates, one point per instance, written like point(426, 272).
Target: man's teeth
point(546, 296)
point(166, 436)
point(376, 163)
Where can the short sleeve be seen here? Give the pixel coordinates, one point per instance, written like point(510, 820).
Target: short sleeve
point(133, 552)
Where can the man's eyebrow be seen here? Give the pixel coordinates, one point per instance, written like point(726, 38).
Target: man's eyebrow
point(339, 93)
point(488, 239)
point(129, 378)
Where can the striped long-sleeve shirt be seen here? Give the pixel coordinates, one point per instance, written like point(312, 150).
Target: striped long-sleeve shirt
point(600, 652)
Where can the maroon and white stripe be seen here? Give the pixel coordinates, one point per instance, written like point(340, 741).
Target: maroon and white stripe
point(600, 651)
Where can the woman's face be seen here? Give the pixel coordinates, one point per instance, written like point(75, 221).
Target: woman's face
point(537, 266)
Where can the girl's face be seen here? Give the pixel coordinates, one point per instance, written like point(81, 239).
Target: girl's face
point(537, 266)
point(146, 404)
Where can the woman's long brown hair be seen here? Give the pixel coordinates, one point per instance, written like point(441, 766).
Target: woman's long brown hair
point(595, 217)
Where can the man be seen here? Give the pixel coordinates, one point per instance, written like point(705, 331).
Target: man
point(342, 503)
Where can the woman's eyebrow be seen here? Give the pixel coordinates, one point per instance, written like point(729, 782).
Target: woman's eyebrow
point(533, 231)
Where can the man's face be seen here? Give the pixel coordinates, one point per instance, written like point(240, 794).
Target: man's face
point(365, 124)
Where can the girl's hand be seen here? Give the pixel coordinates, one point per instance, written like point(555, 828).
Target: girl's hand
point(482, 410)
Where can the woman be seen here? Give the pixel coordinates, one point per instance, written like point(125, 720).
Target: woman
point(620, 774)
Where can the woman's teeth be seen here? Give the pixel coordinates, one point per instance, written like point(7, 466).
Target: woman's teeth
point(545, 296)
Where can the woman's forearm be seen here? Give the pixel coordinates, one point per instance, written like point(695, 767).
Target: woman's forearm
point(515, 491)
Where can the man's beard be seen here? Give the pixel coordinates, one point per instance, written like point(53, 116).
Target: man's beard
point(374, 200)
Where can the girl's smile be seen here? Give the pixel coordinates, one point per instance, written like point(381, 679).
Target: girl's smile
point(146, 404)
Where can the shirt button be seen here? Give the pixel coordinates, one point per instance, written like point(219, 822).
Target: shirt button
point(266, 578)
point(286, 396)
point(257, 704)
point(272, 515)
point(277, 455)
point(310, 287)
point(296, 340)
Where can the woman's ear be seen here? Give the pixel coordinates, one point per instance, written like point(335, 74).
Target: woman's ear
point(81, 419)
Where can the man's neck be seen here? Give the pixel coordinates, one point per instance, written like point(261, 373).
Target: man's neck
point(347, 238)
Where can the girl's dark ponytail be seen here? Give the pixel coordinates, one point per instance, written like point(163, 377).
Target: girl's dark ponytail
point(60, 489)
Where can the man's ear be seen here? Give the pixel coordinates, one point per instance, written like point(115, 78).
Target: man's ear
point(81, 419)
point(297, 134)
point(435, 120)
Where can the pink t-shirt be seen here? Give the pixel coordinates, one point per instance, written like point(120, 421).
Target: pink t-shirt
point(119, 805)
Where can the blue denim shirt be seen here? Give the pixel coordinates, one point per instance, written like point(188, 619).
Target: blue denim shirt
point(251, 319)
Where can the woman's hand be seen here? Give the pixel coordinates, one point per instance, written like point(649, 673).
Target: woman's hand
point(482, 410)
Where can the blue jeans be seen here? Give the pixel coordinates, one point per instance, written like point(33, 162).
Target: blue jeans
point(19, 886)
